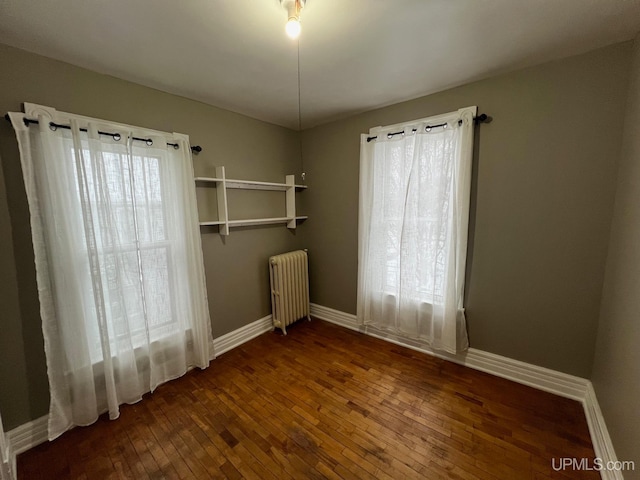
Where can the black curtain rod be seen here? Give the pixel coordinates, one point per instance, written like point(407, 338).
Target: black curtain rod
point(482, 118)
point(115, 136)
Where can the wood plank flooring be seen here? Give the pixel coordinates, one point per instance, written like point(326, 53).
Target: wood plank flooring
point(326, 402)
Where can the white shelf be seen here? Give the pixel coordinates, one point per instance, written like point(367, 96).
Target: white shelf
point(208, 179)
point(263, 221)
point(248, 184)
point(251, 185)
point(223, 184)
point(254, 221)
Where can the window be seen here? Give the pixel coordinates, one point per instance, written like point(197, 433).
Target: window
point(118, 260)
point(133, 239)
point(411, 208)
point(414, 206)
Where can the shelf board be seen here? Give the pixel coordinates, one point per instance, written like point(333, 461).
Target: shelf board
point(255, 185)
point(255, 221)
point(262, 221)
point(208, 179)
point(248, 184)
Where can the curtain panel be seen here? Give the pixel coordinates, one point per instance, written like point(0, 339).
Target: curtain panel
point(7, 458)
point(118, 261)
point(412, 229)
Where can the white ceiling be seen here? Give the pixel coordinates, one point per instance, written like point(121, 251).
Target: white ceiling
point(354, 55)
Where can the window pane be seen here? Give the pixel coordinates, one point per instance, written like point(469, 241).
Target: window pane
point(125, 197)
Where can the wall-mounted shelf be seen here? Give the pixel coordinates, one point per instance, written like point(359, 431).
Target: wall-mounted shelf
point(249, 184)
point(264, 221)
point(222, 184)
point(207, 224)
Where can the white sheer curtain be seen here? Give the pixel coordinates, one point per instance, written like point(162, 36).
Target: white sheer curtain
point(118, 261)
point(413, 222)
point(7, 458)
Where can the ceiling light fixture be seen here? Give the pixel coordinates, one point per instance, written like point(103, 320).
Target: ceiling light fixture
point(293, 30)
point(293, 11)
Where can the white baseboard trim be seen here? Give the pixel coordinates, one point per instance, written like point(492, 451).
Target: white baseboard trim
point(335, 316)
point(29, 435)
point(534, 376)
point(551, 381)
point(241, 335)
point(600, 434)
point(35, 432)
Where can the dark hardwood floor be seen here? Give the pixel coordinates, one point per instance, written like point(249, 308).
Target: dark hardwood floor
point(326, 402)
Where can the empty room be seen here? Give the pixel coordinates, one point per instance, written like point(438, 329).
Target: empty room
point(285, 239)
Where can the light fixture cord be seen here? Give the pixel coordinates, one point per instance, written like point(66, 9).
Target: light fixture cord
point(300, 115)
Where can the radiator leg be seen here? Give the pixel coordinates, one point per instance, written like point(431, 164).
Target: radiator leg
point(284, 330)
point(309, 317)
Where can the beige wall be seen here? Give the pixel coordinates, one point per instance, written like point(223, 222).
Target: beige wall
point(236, 266)
point(616, 369)
point(543, 190)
